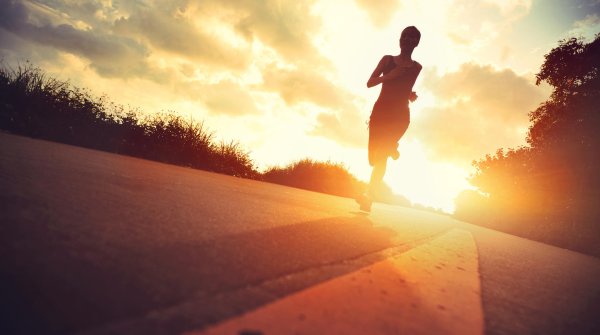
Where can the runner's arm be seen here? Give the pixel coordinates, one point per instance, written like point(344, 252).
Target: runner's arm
point(413, 95)
point(376, 77)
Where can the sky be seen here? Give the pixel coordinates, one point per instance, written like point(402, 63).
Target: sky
point(287, 79)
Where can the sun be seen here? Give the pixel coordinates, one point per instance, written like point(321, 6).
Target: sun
point(423, 180)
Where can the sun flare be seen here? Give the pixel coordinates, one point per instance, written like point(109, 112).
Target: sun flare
point(287, 78)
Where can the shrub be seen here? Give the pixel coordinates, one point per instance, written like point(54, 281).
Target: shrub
point(36, 105)
point(326, 177)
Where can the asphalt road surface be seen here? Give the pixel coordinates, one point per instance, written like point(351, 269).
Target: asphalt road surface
point(97, 243)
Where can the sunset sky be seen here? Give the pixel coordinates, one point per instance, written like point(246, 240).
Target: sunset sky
point(287, 79)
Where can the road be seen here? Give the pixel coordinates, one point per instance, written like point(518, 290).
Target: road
point(98, 243)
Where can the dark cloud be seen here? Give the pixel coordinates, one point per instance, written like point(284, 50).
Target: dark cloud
point(109, 54)
point(13, 15)
point(130, 40)
point(285, 26)
point(127, 33)
point(478, 110)
point(92, 12)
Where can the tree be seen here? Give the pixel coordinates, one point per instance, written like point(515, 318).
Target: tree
point(551, 187)
point(571, 114)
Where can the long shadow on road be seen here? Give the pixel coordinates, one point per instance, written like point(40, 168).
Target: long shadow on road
point(52, 288)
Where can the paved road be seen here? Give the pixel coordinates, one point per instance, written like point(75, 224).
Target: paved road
point(97, 243)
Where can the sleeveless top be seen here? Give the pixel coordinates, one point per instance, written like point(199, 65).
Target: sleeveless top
point(394, 94)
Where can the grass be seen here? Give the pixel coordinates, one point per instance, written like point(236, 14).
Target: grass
point(326, 177)
point(40, 106)
point(36, 105)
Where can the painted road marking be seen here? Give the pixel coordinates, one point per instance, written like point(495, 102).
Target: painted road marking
point(431, 289)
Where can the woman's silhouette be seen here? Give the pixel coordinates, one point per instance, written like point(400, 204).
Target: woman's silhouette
point(390, 116)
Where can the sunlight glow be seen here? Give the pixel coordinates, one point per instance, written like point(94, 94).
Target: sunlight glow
point(334, 45)
point(424, 181)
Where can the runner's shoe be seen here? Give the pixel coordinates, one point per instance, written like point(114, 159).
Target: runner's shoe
point(395, 154)
point(365, 202)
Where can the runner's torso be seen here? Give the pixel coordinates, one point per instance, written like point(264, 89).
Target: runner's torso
point(394, 94)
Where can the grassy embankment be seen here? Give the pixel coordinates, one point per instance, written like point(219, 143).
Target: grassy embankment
point(41, 106)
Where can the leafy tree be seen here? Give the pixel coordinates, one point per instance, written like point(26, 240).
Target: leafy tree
point(549, 189)
point(571, 114)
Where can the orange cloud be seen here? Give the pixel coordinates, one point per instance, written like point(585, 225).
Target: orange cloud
point(478, 23)
point(348, 128)
point(133, 39)
point(227, 97)
point(286, 26)
point(176, 34)
point(479, 109)
point(304, 85)
point(342, 121)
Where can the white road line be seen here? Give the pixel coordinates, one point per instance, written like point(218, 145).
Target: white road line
point(431, 289)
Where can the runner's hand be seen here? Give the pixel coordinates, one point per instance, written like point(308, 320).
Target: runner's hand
point(413, 96)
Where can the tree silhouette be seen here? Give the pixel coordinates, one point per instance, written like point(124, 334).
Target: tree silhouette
point(569, 116)
point(549, 190)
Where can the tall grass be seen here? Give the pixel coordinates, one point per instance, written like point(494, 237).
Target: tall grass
point(332, 178)
point(326, 177)
point(37, 105)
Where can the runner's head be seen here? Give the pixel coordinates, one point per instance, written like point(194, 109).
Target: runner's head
point(410, 37)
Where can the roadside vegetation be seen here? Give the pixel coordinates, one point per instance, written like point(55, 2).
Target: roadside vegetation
point(40, 106)
point(37, 105)
point(549, 190)
point(326, 177)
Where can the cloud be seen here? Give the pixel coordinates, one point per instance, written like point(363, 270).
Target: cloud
point(478, 110)
point(478, 23)
point(109, 54)
point(505, 53)
point(380, 12)
point(339, 122)
point(227, 97)
point(508, 7)
point(304, 85)
point(176, 33)
point(91, 13)
point(174, 43)
point(286, 26)
point(587, 27)
point(346, 128)
point(208, 32)
point(459, 39)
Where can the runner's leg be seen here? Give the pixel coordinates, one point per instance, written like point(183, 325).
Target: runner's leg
point(377, 175)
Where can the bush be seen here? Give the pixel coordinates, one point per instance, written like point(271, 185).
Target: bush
point(325, 177)
point(549, 190)
point(36, 105)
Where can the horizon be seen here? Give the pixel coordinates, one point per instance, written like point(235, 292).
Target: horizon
point(298, 72)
